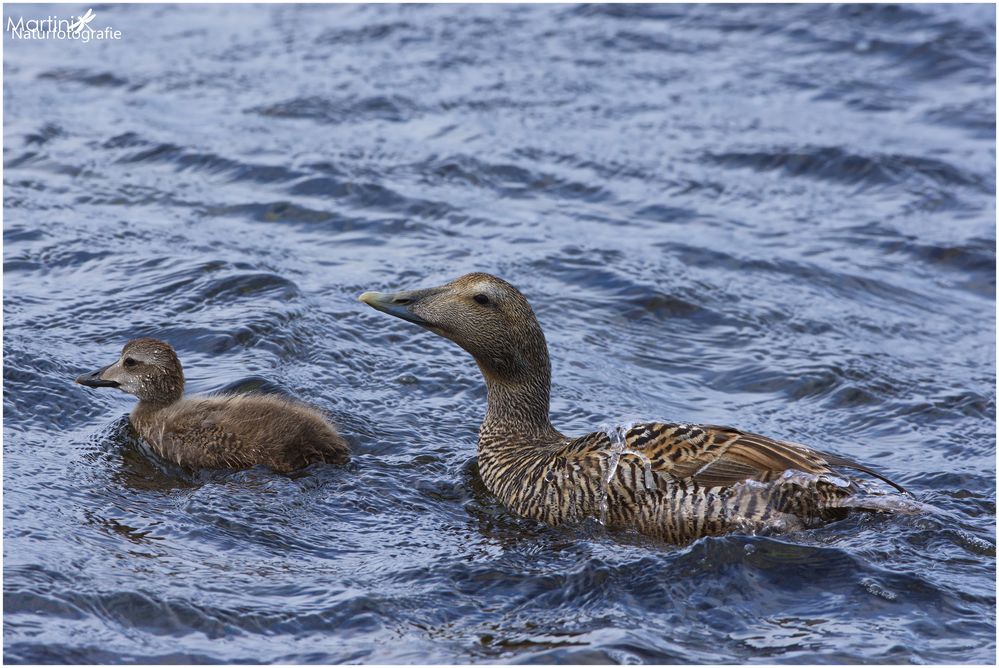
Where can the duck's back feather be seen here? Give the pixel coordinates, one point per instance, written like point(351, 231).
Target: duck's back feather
point(715, 456)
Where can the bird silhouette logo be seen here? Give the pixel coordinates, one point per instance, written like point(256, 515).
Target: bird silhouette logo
point(82, 22)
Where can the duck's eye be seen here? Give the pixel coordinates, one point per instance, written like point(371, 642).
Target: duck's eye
point(481, 299)
point(129, 363)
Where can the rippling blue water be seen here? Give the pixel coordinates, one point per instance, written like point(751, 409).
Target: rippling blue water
point(776, 217)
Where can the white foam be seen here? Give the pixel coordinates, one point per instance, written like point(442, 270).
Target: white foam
point(619, 448)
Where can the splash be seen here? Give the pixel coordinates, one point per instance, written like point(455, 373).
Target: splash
point(617, 435)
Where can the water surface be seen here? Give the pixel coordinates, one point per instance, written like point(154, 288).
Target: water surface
point(776, 217)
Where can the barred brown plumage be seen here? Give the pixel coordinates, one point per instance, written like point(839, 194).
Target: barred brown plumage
point(676, 482)
point(236, 431)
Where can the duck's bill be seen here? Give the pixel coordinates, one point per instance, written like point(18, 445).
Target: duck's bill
point(94, 379)
point(397, 304)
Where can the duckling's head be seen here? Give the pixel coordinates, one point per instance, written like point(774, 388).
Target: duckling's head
point(147, 368)
point(483, 314)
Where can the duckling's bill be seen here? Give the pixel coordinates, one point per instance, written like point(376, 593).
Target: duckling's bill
point(94, 379)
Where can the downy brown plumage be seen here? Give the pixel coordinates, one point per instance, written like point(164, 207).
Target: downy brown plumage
point(676, 482)
point(235, 431)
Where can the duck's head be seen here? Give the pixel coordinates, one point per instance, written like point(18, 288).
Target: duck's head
point(147, 368)
point(483, 314)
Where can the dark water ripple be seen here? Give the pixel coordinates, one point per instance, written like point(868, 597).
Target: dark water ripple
point(781, 218)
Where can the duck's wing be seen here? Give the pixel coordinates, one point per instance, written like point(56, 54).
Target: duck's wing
point(715, 456)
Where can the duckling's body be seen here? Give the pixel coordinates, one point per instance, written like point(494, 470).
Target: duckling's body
point(676, 482)
point(237, 431)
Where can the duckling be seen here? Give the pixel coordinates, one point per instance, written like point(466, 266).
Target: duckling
point(675, 482)
point(235, 431)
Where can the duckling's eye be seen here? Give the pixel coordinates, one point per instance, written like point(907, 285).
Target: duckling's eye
point(481, 299)
point(129, 363)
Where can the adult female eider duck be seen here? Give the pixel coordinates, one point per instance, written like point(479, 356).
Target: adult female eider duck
point(236, 431)
point(675, 482)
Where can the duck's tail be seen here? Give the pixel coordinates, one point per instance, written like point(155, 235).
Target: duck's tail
point(836, 460)
point(884, 503)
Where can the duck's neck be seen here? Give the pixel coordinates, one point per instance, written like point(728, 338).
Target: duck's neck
point(146, 408)
point(519, 406)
